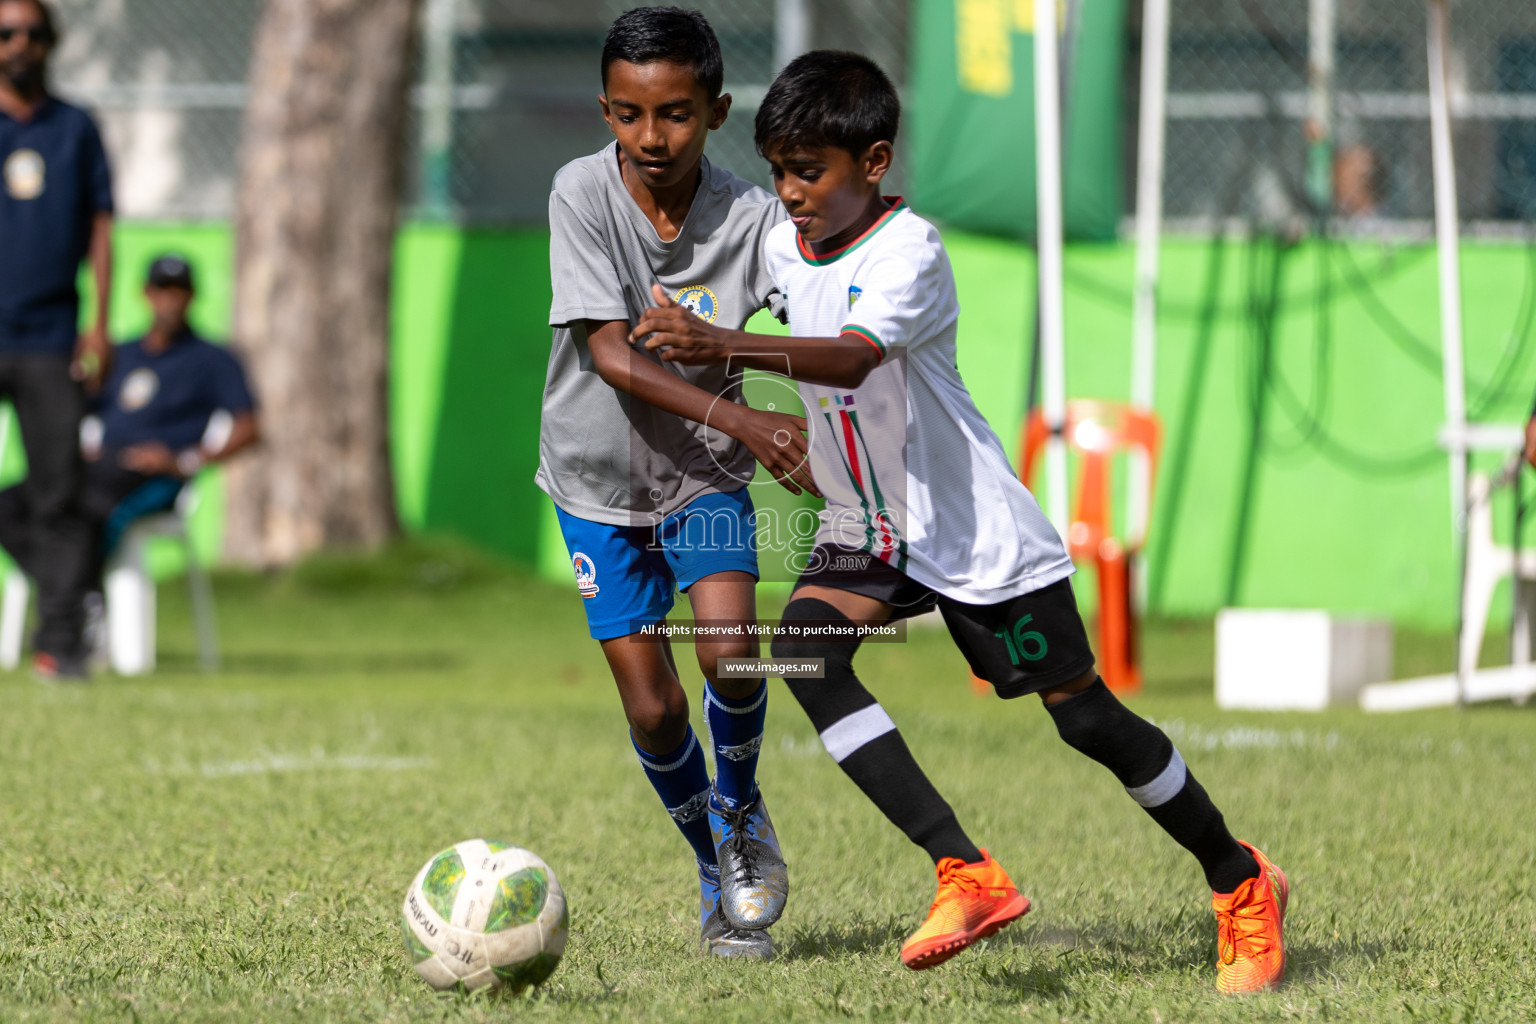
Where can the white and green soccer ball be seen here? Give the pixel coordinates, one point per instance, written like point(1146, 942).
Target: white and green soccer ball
point(485, 913)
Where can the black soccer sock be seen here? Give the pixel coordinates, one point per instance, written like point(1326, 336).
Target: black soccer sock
point(1148, 765)
point(863, 740)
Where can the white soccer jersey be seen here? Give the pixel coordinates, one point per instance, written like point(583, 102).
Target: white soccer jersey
point(911, 471)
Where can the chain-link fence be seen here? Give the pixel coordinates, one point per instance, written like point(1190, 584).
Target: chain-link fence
point(507, 92)
point(166, 79)
point(1261, 129)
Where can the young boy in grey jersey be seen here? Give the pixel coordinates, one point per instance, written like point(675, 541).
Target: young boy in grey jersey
point(631, 450)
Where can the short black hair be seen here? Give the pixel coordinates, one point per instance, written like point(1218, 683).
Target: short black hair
point(49, 23)
point(667, 35)
point(828, 98)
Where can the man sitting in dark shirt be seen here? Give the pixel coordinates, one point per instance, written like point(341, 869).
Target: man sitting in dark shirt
point(172, 404)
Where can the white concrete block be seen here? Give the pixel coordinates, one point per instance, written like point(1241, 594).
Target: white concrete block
point(1278, 660)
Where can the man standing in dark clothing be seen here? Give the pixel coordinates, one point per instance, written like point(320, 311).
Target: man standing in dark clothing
point(55, 211)
point(172, 404)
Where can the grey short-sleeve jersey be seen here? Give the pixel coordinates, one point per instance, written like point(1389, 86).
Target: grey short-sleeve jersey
point(603, 455)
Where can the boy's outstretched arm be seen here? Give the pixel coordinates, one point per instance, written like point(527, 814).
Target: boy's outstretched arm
point(775, 439)
point(680, 337)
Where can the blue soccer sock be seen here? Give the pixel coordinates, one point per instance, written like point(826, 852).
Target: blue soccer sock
point(682, 781)
point(736, 734)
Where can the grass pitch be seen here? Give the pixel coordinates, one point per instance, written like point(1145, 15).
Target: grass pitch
point(235, 847)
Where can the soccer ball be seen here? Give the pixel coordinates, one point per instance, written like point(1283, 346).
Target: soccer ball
point(484, 913)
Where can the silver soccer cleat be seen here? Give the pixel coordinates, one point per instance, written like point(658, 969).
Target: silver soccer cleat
point(717, 937)
point(754, 883)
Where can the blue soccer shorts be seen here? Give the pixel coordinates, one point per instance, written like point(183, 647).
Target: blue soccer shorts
point(627, 575)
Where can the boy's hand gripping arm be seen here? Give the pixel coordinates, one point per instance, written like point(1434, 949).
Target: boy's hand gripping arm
point(775, 439)
point(680, 337)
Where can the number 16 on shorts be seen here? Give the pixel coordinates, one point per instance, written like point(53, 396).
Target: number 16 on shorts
point(1023, 643)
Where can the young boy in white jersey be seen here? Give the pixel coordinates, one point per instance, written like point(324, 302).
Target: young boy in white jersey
point(639, 458)
point(924, 509)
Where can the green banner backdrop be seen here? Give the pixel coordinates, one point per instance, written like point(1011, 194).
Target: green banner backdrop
point(973, 115)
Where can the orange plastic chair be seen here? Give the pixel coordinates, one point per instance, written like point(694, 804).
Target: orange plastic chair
point(1097, 431)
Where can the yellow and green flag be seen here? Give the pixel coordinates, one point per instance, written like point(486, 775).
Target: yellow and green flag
point(972, 106)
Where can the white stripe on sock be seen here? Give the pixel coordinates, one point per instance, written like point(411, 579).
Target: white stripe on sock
point(1163, 788)
point(693, 741)
point(848, 734)
point(713, 698)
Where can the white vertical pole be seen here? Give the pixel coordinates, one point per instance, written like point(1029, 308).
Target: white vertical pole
point(439, 24)
point(1053, 389)
point(1447, 242)
point(791, 31)
point(1322, 31)
point(1150, 143)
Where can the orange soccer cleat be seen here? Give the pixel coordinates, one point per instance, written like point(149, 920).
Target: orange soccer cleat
point(1250, 945)
point(974, 901)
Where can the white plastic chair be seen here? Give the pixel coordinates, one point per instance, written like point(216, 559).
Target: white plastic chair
point(14, 598)
point(130, 589)
point(1488, 563)
point(130, 592)
point(130, 595)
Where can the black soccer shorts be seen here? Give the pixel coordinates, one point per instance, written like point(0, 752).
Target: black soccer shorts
point(1022, 645)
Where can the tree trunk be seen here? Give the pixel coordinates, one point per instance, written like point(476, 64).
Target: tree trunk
point(320, 182)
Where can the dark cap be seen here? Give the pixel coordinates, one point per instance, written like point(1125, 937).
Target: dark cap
point(170, 271)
